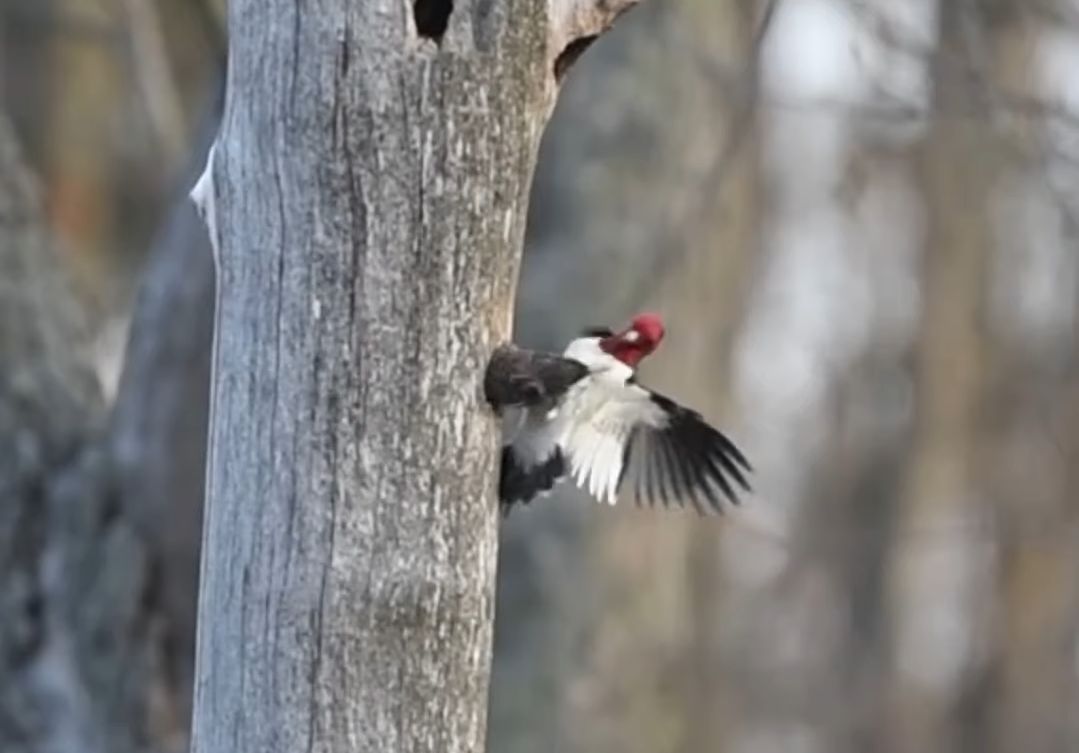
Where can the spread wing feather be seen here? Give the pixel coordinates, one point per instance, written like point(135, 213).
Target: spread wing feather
point(639, 442)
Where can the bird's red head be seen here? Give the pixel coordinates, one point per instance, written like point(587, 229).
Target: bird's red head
point(639, 339)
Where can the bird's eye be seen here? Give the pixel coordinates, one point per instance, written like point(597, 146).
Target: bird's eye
point(632, 336)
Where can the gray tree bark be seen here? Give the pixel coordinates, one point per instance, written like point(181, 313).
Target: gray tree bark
point(366, 200)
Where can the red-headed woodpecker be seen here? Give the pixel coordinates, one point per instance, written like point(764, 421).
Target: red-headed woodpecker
point(584, 414)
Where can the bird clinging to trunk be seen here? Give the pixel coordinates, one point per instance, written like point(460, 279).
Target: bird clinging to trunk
point(584, 414)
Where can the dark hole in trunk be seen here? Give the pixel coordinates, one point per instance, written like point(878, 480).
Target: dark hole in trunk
point(432, 17)
point(569, 55)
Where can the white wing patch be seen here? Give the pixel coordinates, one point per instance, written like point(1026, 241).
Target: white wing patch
point(605, 413)
point(604, 420)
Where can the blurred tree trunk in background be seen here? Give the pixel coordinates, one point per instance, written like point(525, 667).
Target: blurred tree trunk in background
point(663, 675)
point(941, 486)
point(158, 427)
point(1029, 419)
point(149, 64)
point(80, 166)
point(990, 487)
point(105, 96)
point(80, 653)
point(102, 513)
point(672, 224)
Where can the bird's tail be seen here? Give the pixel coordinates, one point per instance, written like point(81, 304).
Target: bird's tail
point(521, 481)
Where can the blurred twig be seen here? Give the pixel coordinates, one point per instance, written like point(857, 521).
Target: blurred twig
point(155, 80)
point(33, 15)
point(1014, 103)
point(886, 30)
point(1053, 12)
point(983, 531)
point(214, 20)
point(669, 242)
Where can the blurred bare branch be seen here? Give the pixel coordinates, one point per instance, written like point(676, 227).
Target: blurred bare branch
point(153, 73)
point(670, 239)
point(1012, 103)
point(35, 15)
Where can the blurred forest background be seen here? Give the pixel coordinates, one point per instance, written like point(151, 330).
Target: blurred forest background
point(860, 219)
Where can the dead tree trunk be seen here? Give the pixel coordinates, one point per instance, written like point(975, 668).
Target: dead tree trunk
point(366, 200)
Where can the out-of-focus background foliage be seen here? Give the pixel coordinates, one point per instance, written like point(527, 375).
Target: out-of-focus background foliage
point(860, 219)
point(106, 97)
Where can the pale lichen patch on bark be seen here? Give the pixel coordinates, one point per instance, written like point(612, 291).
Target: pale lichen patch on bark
point(203, 196)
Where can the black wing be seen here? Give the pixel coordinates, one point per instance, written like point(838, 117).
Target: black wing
point(636, 440)
point(682, 457)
